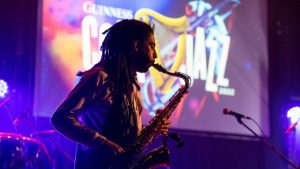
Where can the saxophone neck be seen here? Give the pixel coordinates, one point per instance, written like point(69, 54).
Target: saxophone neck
point(185, 77)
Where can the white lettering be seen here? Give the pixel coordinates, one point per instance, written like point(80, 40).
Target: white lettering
point(189, 55)
point(95, 9)
point(221, 80)
point(200, 55)
point(210, 86)
point(226, 91)
point(90, 30)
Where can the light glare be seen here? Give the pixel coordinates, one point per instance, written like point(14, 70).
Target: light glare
point(294, 114)
point(3, 88)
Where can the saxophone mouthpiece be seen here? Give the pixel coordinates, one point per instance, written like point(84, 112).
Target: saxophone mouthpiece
point(159, 68)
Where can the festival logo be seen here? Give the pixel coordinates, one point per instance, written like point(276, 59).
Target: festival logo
point(196, 44)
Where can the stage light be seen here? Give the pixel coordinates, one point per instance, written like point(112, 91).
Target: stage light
point(3, 88)
point(294, 114)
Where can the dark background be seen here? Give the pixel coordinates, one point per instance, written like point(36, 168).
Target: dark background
point(202, 150)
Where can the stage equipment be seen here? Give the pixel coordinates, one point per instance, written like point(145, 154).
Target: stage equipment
point(18, 152)
point(3, 88)
point(263, 138)
point(294, 115)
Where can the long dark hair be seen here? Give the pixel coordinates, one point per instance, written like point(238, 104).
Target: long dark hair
point(116, 49)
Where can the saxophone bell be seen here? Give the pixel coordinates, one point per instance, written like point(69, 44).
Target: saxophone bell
point(156, 158)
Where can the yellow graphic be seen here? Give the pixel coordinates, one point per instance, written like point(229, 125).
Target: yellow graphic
point(179, 25)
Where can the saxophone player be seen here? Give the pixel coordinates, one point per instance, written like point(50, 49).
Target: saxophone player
point(102, 113)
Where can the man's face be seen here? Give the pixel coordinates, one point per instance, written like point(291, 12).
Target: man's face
point(145, 54)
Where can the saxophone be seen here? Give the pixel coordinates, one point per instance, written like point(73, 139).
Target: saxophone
point(134, 157)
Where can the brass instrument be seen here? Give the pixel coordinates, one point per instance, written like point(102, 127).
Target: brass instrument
point(134, 157)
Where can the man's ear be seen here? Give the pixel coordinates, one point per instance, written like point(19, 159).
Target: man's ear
point(136, 44)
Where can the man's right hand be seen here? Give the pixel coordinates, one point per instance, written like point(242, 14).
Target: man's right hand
point(113, 146)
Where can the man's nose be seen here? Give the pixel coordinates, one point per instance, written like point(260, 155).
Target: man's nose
point(155, 55)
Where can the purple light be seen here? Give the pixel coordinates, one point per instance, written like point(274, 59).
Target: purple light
point(3, 88)
point(294, 114)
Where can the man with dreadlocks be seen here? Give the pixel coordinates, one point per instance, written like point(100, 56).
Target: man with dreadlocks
point(103, 112)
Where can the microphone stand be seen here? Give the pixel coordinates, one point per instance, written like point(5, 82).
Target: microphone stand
point(267, 142)
point(292, 127)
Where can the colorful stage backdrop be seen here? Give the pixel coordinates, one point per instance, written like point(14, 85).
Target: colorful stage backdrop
point(220, 44)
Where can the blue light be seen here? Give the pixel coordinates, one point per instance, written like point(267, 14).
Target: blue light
point(3, 88)
point(294, 114)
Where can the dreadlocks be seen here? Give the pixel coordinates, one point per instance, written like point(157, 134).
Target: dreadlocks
point(116, 59)
point(116, 49)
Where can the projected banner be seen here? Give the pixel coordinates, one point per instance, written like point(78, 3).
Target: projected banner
point(220, 44)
